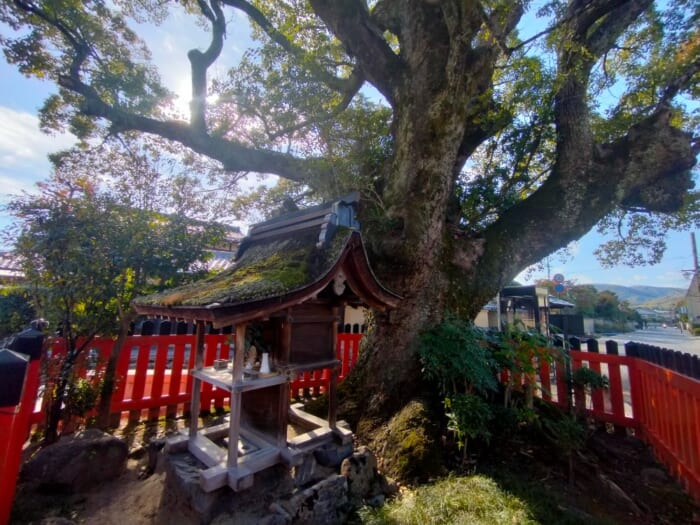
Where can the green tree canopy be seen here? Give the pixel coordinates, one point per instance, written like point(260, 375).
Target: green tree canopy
point(89, 245)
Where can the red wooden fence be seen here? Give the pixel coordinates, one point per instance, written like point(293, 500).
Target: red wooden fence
point(662, 406)
point(152, 372)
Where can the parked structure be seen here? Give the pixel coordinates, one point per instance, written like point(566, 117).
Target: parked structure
point(531, 306)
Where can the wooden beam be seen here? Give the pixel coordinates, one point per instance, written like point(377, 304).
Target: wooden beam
point(312, 437)
point(213, 478)
point(206, 451)
point(282, 414)
point(197, 383)
point(305, 419)
point(240, 478)
point(236, 397)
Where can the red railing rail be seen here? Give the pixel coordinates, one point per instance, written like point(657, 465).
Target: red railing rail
point(153, 372)
point(662, 406)
point(669, 417)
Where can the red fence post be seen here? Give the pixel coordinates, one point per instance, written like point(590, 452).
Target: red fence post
point(28, 342)
point(13, 372)
point(617, 399)
point(545, 378)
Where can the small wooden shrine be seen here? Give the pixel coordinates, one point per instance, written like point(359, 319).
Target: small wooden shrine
point(285, 295)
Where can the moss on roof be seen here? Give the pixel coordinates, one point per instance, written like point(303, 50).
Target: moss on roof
point(268, 268)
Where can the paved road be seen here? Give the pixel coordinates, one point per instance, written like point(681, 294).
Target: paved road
point(670, 337)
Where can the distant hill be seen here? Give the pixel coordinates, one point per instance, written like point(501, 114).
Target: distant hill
point(647, 296)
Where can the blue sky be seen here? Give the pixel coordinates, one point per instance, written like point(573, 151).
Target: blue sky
point(24, 150)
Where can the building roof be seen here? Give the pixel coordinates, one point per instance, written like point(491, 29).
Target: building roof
point(280, 263)
point(556, 302)
point(10, 268)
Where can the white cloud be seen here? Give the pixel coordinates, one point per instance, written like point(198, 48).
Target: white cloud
point(24, 149)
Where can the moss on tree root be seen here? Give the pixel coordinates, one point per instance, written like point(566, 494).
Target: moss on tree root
point(408, 445)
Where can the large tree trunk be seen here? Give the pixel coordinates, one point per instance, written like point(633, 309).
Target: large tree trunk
point(411, 254)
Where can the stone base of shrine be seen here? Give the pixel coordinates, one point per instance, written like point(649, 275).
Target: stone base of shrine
point(315, 490)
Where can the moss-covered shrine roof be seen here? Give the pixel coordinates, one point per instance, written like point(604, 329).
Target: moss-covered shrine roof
point(277, 265)
point(266, 269)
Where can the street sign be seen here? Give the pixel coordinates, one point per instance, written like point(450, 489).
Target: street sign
point(559, 288)
point(558, 277)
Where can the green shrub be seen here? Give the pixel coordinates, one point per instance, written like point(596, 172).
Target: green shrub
point(589, 379)
point(469, 417)
point(455, 355)
point(82, 397)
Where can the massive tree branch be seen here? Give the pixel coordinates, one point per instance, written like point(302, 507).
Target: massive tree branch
point(648, 167)
point(346, 86)
point(201, 61)
point(350, 21)
point(233, 156)
point(613, 23)
point(681, 81)
point(593, 28)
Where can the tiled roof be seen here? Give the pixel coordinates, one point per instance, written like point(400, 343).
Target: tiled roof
point(266, 269)
point(280, 262)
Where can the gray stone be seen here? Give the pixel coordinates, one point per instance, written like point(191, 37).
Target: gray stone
point(654, 476)
point(311, 471)
point(182, 475)
point(274, 519)
point(333, 456)
point(325, 503)
point(77, 463)
point(360, 469)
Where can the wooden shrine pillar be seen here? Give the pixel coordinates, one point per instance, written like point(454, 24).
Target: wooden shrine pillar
point(285, 345)
point(236, 395)
point(333, 382)
point(196, 401)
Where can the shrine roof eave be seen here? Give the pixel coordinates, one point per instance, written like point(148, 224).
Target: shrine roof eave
point(352, 262)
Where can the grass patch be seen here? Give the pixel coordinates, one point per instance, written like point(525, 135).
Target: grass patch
point(474, 500)
point(454, 500)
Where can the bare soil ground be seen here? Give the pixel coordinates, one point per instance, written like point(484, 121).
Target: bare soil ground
point(617, 481)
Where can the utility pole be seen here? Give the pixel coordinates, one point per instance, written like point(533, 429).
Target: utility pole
point(696, 268)
point(693, 296)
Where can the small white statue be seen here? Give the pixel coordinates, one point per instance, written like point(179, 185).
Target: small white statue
point(265, 363)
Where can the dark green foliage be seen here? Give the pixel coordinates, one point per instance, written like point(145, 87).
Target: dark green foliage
point(465, 363)
point(82, 396)
point(589, 379)
point(455, 354)
point(16, 310)
point(469, 417)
